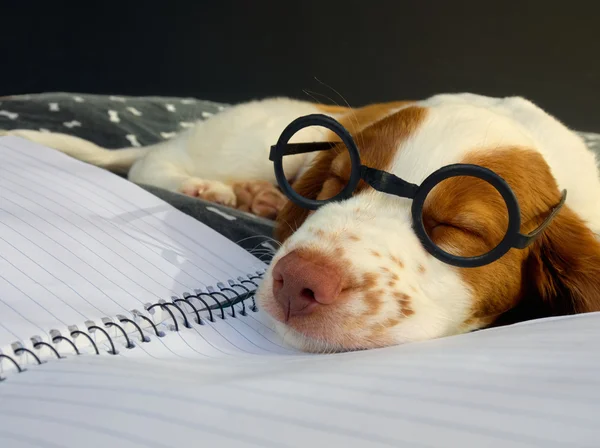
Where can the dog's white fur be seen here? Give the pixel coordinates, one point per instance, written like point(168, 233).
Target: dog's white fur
point(234, 145)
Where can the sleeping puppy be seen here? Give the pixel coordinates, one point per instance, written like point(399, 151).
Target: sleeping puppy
point(353, 274)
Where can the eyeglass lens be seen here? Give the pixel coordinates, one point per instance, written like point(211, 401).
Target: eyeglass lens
point(465, 216)
point(333, 180)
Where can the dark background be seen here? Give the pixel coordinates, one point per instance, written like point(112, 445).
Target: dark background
point(232, 51)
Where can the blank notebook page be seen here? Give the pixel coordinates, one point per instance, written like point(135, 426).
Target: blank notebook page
point(530, 385)
point(78, 243)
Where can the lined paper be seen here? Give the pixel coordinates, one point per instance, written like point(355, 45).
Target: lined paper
point(78, 243)
point(528, 385)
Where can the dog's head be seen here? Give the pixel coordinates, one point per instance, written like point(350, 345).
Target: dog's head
point(353, 274)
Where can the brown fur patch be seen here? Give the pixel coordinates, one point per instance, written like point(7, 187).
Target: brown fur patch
point(407, 311)
point(559, 274)
point(374, 302)
point(398, 262)
point(356, 120)
point(369, 281)
point(402, 297)
point(564, 266)
point(405, 301)
point(375, 253)
point(377, 136)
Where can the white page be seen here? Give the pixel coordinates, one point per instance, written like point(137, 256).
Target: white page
point(78, 243)
point(529, 385)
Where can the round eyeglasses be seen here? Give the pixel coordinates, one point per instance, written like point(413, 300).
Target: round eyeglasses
point(388, 183)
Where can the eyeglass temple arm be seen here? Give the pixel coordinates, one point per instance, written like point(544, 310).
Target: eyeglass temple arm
point(302, 148)
point(525, 240)
point(388, 183)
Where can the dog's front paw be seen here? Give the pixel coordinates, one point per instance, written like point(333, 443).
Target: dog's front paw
point(260, 198)
point(209, 190)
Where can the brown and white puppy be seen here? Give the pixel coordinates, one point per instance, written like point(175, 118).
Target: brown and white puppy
point(353, 274)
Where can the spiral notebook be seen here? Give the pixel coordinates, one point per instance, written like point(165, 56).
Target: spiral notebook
point(124, 322)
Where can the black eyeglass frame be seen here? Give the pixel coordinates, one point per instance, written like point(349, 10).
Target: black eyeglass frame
point(388, 183)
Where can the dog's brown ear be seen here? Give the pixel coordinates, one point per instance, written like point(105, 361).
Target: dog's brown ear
point(309, 185)
point(564, 266)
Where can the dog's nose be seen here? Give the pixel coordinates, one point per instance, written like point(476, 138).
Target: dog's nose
point(302, 284)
